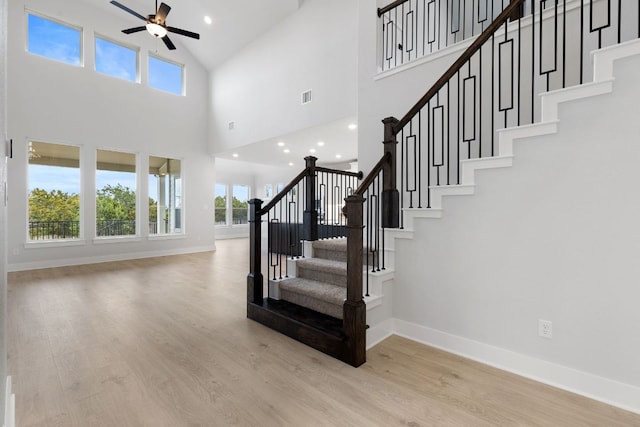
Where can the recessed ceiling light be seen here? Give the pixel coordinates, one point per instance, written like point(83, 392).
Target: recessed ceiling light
point(338, 156)
point(280, 144)
point(320, 143)
point(290, 163)
point(312, 150)
point(286, 150)
point(208, 20)
point(352, 126)
point(235, 155)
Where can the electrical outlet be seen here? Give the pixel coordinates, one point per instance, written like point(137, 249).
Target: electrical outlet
point(545, 328)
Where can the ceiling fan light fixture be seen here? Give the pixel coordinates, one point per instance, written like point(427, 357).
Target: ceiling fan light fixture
point(156, 30)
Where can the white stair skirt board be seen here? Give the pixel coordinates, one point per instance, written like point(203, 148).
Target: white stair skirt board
point(9, 406)
point(602, 389)
point(583, 383)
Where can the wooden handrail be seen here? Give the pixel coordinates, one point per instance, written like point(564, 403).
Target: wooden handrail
point(338, 172)
point(390, 6)
point(283, 192)
point(507, 13)
point(297, 179)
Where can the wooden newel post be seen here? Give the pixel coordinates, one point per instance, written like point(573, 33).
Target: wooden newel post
point(390, 194)
point(254, 279)
point(310, 215)
point(518, 12)
point(354, 309)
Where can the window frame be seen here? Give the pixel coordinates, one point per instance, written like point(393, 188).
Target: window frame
point(81, 47)
point(136, 49)
point(248, 187)
point(226, 204)
point(138, 189)
point(183, 74)
point(80, 240)
point(174, 234)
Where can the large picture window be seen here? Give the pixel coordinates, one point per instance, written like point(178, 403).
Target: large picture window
point(116, 60)
point(165, 195)
point(54, 191)
point(115, 194)
point(54, 40)
point(165, 75)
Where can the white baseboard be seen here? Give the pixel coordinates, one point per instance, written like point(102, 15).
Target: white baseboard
point(106, 258)
point(9, 406)
point(379, 332)
point(605, 390)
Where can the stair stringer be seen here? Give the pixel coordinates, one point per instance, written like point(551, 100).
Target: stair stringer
point(382, 326)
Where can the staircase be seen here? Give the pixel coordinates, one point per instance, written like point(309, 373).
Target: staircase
point(321, 292)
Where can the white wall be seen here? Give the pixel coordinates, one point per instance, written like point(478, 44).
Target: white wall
point(55, 102)
point(259, 89)
point(3, 210)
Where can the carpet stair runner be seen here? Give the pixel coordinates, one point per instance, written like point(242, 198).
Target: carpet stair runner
point(321, 282)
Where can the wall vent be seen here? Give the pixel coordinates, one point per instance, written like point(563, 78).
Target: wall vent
point(232, 125)
point(306, 97)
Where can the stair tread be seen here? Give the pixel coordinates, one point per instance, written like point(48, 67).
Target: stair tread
point(319, 290)
point(321, 264)
point(339, 245)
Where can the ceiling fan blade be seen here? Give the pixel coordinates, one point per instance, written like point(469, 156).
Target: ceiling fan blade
point(162, 13)
point(184, 33)
point(168, 42)
point(134, 30)
point(126, 9)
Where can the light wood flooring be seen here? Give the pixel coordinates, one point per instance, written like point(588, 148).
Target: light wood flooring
point(165, 342)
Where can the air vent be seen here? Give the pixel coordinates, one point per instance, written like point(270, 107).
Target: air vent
point(232, 125)
point(306, 97)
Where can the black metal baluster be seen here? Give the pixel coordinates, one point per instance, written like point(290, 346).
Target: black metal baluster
point(401, 176)
point(428, 106)
point(419, 142)
point(479, 124)
point(564, 43)
point(581, 42)
point(533, 58)
point(519, 84)
point(493, 90)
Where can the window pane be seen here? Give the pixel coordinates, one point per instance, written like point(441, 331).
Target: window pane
point(165, 196)
point(115, 194)
point(165, 75)
point(240, 204)
point(221, 204)
point(54, 40)
point(116, 60)
point(54, 191)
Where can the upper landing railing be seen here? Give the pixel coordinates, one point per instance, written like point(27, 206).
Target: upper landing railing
point(412, 29)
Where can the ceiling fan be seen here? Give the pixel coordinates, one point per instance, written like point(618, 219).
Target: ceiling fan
point(156, 24)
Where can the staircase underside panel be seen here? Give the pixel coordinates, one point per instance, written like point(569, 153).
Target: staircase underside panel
point(317, 330)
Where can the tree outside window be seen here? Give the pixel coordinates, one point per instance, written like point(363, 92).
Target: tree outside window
point(220, 204)
point(115, 194)
point(240, 204)
point(54, 191)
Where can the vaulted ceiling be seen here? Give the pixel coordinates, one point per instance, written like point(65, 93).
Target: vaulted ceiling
point(234, 23)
